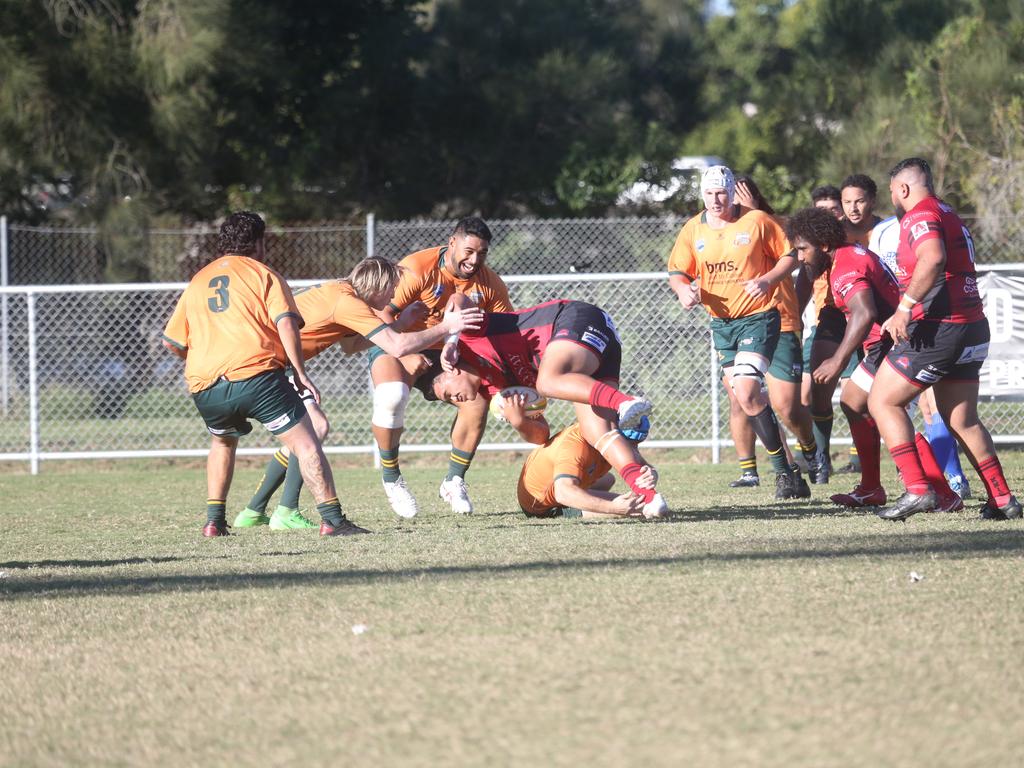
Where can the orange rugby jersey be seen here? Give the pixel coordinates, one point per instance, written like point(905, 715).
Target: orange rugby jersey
point(332, 311)
point(227, 321)
point(724, 259)
point(566, 454)
point(786, 301)
point(424, 278)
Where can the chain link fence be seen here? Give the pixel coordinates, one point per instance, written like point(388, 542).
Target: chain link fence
point(83, 374)
point(53, 256)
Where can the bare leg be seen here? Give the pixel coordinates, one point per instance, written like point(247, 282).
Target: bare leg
point(220, 466)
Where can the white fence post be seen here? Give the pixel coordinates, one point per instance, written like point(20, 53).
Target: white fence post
point(371, 235)
point(33, 385)
point(716, 448)
point(5, 387)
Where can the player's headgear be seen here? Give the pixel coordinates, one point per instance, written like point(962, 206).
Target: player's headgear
point(718, 177)
point(638, 433)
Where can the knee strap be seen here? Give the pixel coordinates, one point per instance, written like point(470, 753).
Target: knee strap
point(389, 401)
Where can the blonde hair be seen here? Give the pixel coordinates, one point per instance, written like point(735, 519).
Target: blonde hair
point(374, 276)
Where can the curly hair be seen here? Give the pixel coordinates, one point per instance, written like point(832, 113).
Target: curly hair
point(240, 233)
point(861, 181)
point(818, 227)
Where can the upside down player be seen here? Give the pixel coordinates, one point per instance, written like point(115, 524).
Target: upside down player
point(940, 339)
point(569, 350)
point(342, 311)
point(867, 292)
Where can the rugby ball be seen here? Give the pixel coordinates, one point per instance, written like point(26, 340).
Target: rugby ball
point(535, 402)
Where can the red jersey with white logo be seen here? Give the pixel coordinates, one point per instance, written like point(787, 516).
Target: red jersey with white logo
point(507, 348)
point(954, 298)
point(856, 269)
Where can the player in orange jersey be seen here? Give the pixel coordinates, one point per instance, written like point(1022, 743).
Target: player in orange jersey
point(731, 259)
point(237, 326)
point(429, 280)
point(346, 311)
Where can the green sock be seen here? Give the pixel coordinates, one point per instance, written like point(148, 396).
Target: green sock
point(292, 485)
point(215, 511)
point(458, 462)
point(810, 452)
point(748, 465)
point(822, 426)
point(330, 511)
point(389, 462)
point(273, 476)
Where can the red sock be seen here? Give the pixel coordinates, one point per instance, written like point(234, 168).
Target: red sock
point(991, 472)
point(604, 396)
point(931, 468)
point(909, 464)
point(869, 448)
point(630, 473)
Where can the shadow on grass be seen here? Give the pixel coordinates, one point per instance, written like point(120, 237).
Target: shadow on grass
point(953, 545)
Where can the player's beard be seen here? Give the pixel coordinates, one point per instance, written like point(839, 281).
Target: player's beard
point(899, 210)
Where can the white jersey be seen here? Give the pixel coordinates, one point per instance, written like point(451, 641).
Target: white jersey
point(885, 240)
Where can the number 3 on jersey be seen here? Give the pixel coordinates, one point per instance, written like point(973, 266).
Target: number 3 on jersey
point(220, 300)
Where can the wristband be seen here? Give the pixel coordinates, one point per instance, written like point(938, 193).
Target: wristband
point(907, 303)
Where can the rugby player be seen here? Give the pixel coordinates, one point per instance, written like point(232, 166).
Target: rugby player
point(429, 279)
point(237, 326)
point(347, 311)
point(731, 260)
point(568, 350)
point(940, 339)
point(783, 376)
point(867, 292)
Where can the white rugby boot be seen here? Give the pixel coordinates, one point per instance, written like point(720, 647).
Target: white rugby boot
point(454, 491)
point(631, 411)
point(401, 498)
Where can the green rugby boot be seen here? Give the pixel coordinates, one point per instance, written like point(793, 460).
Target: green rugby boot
point(287, 519)
point(250, 518)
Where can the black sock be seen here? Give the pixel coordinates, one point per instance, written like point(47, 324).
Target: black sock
point(215, 511)
point(766, 426)
point(331, 512)
point(292, 485)
point(748, 465)
point(273, 476)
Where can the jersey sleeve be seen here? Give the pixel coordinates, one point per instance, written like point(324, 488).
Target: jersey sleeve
point(920, 227)
point(774, 238)
point(683, 259)
point(176, 332)
point(849, 277)
point(410, 286)
point(354, 313)
point(279, 298)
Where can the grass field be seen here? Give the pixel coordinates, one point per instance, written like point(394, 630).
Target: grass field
point(743, 632)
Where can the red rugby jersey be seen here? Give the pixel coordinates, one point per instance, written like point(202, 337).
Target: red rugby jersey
point(954, 298)
point(856, 269)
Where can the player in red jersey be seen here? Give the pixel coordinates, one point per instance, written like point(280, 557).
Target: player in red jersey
point(568, 350)
point(867, 293)
point(940, 339)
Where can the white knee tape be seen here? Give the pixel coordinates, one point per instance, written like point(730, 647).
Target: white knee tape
point(389, 401)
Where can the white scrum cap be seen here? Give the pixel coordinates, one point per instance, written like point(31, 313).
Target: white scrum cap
point(718, 177)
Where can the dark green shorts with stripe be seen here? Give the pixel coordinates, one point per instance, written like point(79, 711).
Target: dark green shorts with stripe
point(754, 333)
point(268, 397)
point(787, 363)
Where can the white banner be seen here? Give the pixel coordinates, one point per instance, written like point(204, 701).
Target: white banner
point(1002, 375)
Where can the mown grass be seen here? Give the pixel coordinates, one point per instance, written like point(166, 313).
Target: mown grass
point(742, 632)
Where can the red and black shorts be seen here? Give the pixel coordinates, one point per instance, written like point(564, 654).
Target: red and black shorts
point(864, 374)
point(937, 351)
point(591, 327)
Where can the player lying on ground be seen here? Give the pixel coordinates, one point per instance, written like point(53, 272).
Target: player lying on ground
point(568, 473)
point(940, 339)
point(867, 293)
point(237, 326)
point(564, 349)
point(344, 311)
